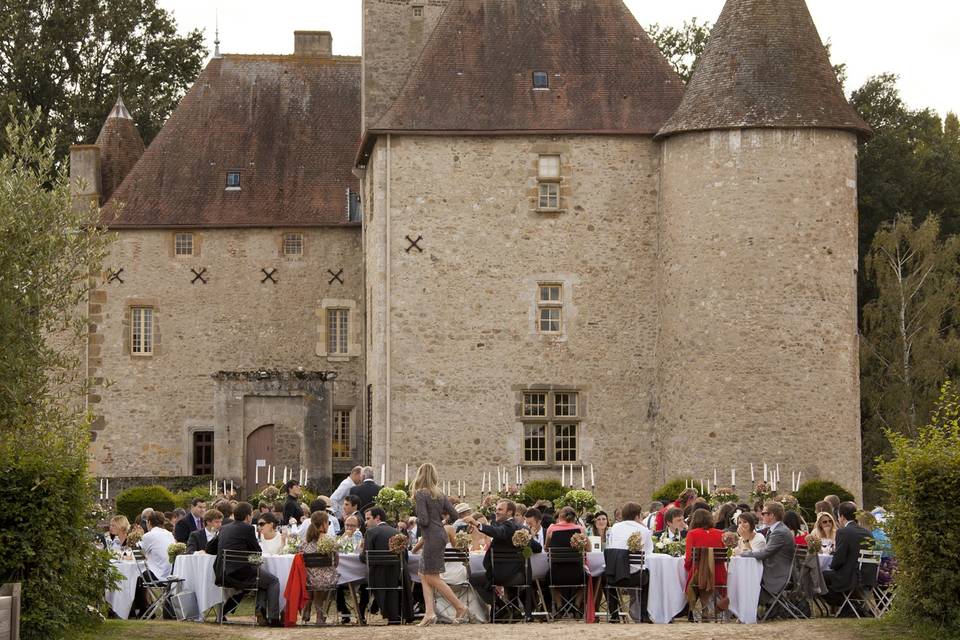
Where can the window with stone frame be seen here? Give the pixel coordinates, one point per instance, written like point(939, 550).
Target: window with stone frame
point(338, 330)
point(550, 308)
point(548, 177)
point(233, 180)
point(551, 427)
point(418, 11)
point(202, 453)
point(183, 244)
point(141, 331)
point(341, 434)
point(293, 244)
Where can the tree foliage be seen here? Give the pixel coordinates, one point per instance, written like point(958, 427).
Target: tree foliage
point(71, 58)
point(48, 254)
point(682, 46)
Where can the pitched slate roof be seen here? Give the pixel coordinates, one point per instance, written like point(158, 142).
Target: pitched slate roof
point(764, 66)
point(289, 124)
point(120, 148)
point(475, 73)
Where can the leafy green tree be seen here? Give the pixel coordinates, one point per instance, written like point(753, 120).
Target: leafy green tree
point(71, 59)
point(681, 47)
point(47, 256)
point(909, 341)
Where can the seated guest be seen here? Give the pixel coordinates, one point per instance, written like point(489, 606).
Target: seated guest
point(686, 498)
point(823, 506)
point(723, 519)
point(750, 538)
point(700, 586)
point(168, 520)
point(834, 502)
point(558, 537)
point(320, 580)
point(413, 529)
point(154, 545)
point(545, 507)
point(384, 579)
point(119, 528)
point(566, 523)
point(478, 541)
point(351, 507)
point(600, 528)
point(351, 541)
point(869, 522)
point(240, 535)
point(464, 510)
point(271, 541)
point(676, 528)
point(226, 509)
point(620, 533)
point(844, 567)
point(521, 509)
point(793, 521)
point(825, 530)
point(190, 523)
point(198, 540)
point(650, 521)
point(777, 553)
point(531, 519)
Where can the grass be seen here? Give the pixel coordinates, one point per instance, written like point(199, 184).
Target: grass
point(137, 630)
point(892, 629)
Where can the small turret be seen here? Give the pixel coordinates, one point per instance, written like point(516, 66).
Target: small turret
point(120, 148)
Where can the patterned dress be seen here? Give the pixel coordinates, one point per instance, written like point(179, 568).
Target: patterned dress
point(320, 578)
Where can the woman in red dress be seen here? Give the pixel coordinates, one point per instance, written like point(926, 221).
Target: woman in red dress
point(702, 534)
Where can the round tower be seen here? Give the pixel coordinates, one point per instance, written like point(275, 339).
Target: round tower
point(120, 148)
point(758, 348)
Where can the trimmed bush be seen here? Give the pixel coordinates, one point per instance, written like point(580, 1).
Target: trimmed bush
point(813, 491)
point(535, 490)
point(921, 477)
point(184, 499)
point(133, 501)
point(670, 491)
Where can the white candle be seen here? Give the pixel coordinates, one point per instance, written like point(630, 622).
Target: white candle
point(733, 476)
point(499, 478)
point(256, 476)
point(506, 478)
point(701, 486)
point(406, 474)
point(306, 472)
point(563, 475)
point(764, 471)
point(593, 479)
point(752, 478)
point(714, 476)
point(797, 489)
point(231, 487)
point(107, 490)
point(583, 481)
point(778, 472)
point(383, 474)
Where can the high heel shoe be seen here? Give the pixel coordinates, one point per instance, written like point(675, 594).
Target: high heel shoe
point(426, 622)
point(462, 618)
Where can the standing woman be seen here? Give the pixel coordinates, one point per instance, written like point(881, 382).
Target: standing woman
point(430, 507)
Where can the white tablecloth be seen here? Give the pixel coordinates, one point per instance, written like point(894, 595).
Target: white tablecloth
point(825, 559)
point(665, 597)
point(197, 573)
point(122, 599)
point(743, 588)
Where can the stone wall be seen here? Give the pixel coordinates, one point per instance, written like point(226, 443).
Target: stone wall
point(148, 406)
point(463, 340)
point(758, 344)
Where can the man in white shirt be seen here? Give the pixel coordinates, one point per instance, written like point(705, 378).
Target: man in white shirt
point(632, 514)
point(336, 499)
point(533, 519)
point(154, 545)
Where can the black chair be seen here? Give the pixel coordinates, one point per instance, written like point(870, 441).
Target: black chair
point(719, 559)
point(567, 579)
point(380, 566)
point(158, 589)
point(320, 561)
point(783, 597)
point(868, 573)
point(230, 560)
point(516, 585)
point(616, 590)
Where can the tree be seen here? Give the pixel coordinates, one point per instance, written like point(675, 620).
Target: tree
point(682, 47)
point(72, 58)
point(48, 254)
point(909, 340)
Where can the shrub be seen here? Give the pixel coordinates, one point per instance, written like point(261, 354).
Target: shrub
point(920, 477)
point(813, 491)
point(669, 492)
point(133, 501)
point(535, 490)
point(184, 499)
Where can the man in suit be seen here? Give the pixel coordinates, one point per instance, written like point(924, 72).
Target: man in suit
point(675, 529)
point(240, 535)
point(367, 490)
point(377, 538)
point(508, 573)
point(191, 522)
point(777, 555)
point(199, 539)
point(843, 574)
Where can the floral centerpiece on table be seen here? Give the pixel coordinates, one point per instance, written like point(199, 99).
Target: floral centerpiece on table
point(814, 544)
point(723, 495)
point(761, 493)
point(580, 542)
point(394, 501)
point(789, 502)
point(134, 537)
point(635, 543)
point(488, 506)
point(397, 544)
point(462, 541)
point(521, 540)
point(326, 546)
point(675, 548)
point(176, 549)
point(292, 546)
point(267, 496)
point(580, 500)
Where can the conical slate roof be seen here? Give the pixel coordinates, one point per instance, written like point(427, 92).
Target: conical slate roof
point(120, 148)
point(475, 73)
point(764, 66)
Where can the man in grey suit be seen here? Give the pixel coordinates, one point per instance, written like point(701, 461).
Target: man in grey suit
point(777, 555)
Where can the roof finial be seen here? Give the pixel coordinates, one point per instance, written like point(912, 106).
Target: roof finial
point(216, 37)
point(119, 109)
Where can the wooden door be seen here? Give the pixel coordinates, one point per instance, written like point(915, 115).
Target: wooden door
point(259, 458)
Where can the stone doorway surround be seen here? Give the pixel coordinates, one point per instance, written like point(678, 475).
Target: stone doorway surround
point(299, 406)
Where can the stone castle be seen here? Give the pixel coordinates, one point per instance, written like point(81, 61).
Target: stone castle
point(506, 235)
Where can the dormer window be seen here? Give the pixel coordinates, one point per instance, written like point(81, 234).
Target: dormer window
point(233, 180)
point(418, 11)
point(541, 80)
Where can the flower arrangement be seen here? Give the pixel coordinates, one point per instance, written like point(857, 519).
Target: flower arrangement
point(675, 548)
point(326, 546)
point(723, 495)
point(788, 501)
point(635, 543)
point(761, 493)
point(580, 500)
point(345, 544)
point(256, 559)
point(394, 501)
point(176, 549)
point(292, 546)
point(397, 544)
point(134, 537)
point(462, 541)
point(521, 540)
point(730, 541)
point(580, 543)
point(814, 544)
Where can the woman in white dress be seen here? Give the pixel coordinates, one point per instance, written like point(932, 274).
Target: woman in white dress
point(750, 539)
point(271, 541)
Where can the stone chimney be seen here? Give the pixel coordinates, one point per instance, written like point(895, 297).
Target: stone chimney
point(313, 43)
point(85, 175)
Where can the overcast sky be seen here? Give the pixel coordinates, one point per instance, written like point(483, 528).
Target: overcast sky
point(919, 40)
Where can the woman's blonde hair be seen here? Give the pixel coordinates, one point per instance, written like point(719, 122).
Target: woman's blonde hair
point(825, 516)
point(122, 523)
point(426, 480)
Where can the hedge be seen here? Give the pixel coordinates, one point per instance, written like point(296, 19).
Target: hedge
point(813, 491)
point(535, 490)
point(669, 492)
point(133, 501)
